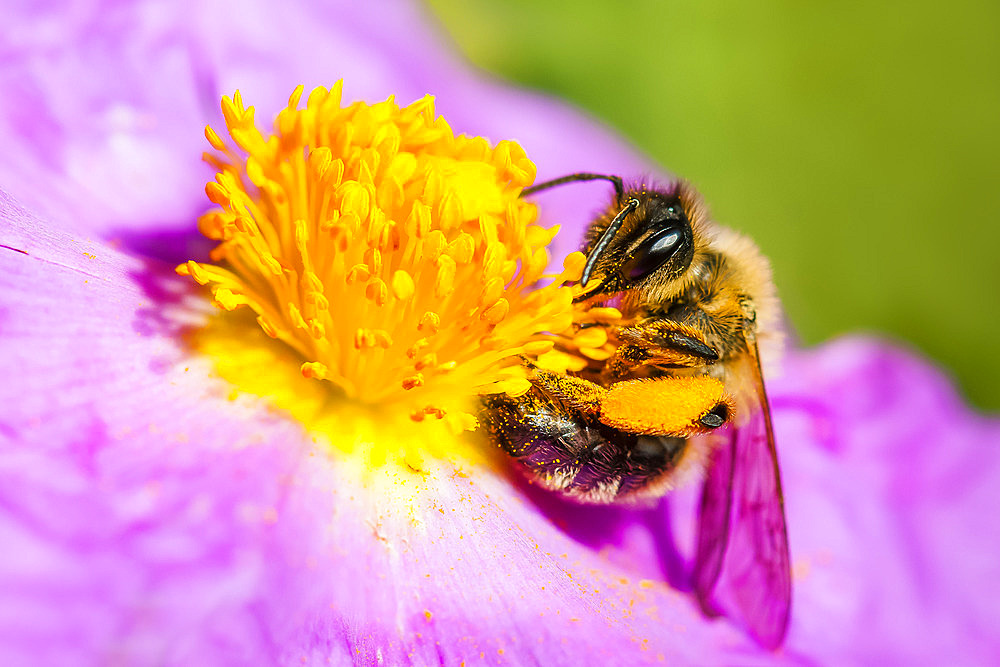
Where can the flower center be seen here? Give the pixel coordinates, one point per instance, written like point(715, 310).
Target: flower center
point(395, 258)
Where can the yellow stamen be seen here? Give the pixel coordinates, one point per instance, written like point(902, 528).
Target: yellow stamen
point(396, 259)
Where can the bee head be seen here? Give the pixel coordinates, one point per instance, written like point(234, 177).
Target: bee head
point(645, 238)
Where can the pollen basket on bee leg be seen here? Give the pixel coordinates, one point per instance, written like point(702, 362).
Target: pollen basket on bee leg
point(666, 406)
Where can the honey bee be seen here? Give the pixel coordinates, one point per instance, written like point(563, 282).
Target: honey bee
point(694, 298)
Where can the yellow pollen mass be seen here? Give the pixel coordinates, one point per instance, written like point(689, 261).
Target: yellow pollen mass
point(663, 406)
point(394, 258)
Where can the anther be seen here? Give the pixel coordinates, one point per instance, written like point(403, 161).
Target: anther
point(413, 381)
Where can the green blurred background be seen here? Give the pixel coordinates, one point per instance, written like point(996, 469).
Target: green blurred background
point(857, 142)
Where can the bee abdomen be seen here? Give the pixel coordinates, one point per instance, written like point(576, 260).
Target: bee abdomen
point(568, 452)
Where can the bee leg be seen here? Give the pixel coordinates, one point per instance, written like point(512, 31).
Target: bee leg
point(661, 343)
point(575, 392)
point(667, 406)
point(670, 406)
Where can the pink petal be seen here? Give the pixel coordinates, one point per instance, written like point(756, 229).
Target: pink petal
point(106, 104)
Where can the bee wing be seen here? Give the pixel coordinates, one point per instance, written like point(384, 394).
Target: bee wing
point(742, 539)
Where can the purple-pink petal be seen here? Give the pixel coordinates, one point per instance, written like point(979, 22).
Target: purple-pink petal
point(890, 525)
point(105, 103)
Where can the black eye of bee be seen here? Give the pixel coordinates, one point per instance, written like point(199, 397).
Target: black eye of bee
point(654, 252)
point(670, 245)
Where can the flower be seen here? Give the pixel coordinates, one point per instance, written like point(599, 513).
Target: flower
point(395, 257)
point(152, 513)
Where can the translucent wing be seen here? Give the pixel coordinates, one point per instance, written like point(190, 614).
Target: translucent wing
point(741, 560)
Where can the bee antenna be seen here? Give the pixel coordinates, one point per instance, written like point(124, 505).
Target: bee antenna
point(606, 237)
point(616, 180)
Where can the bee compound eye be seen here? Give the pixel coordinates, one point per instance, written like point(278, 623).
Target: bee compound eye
point(654, 252)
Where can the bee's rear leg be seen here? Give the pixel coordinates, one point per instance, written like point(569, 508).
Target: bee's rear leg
point(577, 393)
point(665, 406)
point(671, 406)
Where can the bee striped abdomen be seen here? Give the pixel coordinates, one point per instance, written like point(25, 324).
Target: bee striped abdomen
point(574, 454)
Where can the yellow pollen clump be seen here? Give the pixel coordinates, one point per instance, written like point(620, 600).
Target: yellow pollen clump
point(396, 259)
point(664, 406)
